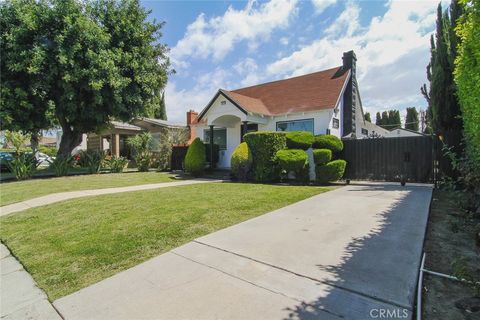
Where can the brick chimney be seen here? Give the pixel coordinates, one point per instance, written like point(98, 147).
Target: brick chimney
point(192, 119)
point(350, 95)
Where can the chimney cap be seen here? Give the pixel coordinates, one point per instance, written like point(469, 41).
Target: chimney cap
point(349, 54)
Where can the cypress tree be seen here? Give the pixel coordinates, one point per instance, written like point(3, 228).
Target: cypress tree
point(378, 119)
point(411, 120)
point(367, 117)
point(161, 112)
point(443, 108)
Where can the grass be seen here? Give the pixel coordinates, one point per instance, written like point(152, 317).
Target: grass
point(70, 245)
point(12, 192)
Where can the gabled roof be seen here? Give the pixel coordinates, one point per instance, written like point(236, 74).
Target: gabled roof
point(310, 92)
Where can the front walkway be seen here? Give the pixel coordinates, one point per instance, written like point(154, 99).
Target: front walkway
point(351, 253)
point(62, 196)
point(20, 296)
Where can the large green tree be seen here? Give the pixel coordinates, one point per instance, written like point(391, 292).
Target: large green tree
point(411, 120)
point(24, 104)
point(102, 61)
point(368, 117)
point(467, 76)
point(443, 107)
point(388, 119)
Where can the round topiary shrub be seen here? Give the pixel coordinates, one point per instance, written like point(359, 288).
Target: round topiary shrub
point(322, 156)
point(292, 160)
point(299, 140)
point(263, 148)
point(328, 141)
point(331, 171)
point(241, 161)
point(195, 158)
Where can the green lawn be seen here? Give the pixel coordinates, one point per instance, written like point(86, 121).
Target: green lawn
point(11, 192)
point(70, 245)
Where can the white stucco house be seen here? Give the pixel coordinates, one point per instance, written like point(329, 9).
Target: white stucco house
point(325, 102)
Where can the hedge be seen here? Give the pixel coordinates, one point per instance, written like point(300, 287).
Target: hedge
point(264, 146)
point(327, 141)
point(299, 140)
point(292, 160)
point(241, 161)
point(195, 158)
point(331, 171)
point(322, 156)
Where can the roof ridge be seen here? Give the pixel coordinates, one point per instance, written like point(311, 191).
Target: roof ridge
point(280, 80)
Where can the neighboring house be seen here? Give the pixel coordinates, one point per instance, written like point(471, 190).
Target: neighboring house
point(401, 132)
point(114, 139)
point(325, 102)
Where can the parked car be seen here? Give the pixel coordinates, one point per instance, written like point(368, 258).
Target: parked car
point(44, 160)
point(5, 156)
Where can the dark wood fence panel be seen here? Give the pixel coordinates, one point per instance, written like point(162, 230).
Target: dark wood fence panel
point(178, 157)
point(387, 159)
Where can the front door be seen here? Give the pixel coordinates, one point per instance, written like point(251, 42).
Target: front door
point(251, 127)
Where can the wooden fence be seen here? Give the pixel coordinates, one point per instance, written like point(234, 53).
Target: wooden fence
point(387, 159)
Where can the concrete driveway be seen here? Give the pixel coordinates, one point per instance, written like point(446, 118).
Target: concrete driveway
point(352, 253)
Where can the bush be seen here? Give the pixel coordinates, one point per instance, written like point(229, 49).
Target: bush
point(49, 151)
point(292, 160)
point(241, 161)
point(22, 165)
point(322, 156)
point(299, 140)
point(142, 145)
point(263, 147)
point(195, 158)
point(92, 160)
point(61, 164)
point(331, 171)
point(327, 141)
point(116, 164)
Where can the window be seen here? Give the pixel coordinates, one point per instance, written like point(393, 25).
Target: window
point(219, 137)
point(364, 131)
point(336, 123)
point(295, 125)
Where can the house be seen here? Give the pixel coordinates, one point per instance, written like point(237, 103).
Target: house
point(325, 102)
point(113, 140)
point(402, 132)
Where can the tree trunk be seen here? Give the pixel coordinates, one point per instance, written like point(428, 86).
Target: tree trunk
point(34, 144)
point(70, 140)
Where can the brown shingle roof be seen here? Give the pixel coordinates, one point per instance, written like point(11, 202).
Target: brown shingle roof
point(314, 91)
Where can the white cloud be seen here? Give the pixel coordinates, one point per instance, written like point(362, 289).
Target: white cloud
point(215, 37)
point(321, 5)
point(392, 52)
point(347, 23)
point(284, 40)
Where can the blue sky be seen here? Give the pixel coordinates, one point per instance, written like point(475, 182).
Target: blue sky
point(225, 44)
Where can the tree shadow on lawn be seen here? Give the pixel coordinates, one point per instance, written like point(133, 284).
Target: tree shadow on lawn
point(376, 271)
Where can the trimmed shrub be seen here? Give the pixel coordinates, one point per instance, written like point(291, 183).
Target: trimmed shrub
point(241, 161)
point(328, 141)
point(299, 140)
point(195, 158)
point(292, 159)
point(331, 171)
point(263, 147)
point(322, 156)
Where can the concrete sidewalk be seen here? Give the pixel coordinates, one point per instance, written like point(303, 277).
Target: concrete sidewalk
point(62, 196)
point(20, 297)
point(344, 254)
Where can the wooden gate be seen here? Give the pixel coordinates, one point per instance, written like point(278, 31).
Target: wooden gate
point(388, 159)
point(178, 157)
